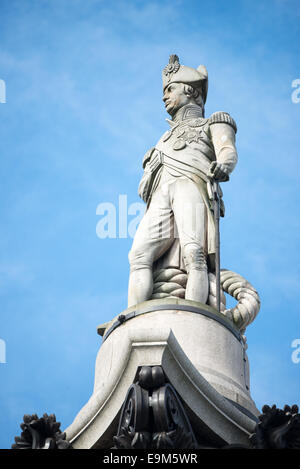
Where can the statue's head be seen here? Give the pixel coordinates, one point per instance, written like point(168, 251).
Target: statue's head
point(183, 85)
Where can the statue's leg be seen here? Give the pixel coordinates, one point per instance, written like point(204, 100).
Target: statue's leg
point(191, 220)
point(154, 236)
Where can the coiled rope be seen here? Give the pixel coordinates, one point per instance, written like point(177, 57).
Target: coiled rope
point(171, 283)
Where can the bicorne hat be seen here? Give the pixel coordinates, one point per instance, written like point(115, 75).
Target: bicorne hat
point(174, 72)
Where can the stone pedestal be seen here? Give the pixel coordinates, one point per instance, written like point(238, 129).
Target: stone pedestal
point(202, 355)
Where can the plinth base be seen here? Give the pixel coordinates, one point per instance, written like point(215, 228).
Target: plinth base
point(202, 355)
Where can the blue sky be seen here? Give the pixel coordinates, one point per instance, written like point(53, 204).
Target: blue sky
point(83, 104)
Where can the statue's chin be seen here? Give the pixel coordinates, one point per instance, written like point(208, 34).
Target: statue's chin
point(171, 111)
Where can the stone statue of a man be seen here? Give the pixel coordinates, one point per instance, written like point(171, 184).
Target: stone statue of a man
point(177, 184)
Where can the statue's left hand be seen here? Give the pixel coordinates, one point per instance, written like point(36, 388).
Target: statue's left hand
point(218, 171)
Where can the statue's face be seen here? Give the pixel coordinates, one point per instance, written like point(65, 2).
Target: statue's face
point(175, 97)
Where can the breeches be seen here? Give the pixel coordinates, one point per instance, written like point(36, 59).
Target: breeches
point(176, 210)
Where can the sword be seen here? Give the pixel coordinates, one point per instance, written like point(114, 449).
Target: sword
point(214, 195)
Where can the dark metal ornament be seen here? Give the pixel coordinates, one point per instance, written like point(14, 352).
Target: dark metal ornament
point(133, 431)
point(173, 429)
point(41, 433)
point(152, 415)
point(277, 429)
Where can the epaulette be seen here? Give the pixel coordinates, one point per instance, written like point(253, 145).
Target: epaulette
point(221, 117)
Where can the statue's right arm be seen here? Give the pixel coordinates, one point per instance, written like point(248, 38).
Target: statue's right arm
point(144, 186)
